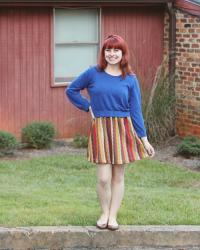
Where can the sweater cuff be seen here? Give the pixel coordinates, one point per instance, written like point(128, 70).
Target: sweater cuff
point(144, 139)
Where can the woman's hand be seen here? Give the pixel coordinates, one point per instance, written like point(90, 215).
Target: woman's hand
point(91, 112)
point(150, 150)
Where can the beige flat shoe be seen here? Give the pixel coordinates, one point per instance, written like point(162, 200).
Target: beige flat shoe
point(112, 227)
point(102, 226)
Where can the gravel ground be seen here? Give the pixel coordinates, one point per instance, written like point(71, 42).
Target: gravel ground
point(167, 153)
point(164, 153)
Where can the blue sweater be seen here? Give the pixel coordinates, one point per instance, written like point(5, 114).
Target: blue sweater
point(110, 96)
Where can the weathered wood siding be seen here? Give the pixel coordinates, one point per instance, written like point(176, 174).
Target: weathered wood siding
point(26, 63)
point(25, 74)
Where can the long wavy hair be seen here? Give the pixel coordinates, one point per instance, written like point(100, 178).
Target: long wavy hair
point(115, 42)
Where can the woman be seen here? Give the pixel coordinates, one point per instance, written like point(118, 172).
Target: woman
point(117, 134)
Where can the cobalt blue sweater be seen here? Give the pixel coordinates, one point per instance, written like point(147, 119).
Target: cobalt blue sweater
point(110, 96)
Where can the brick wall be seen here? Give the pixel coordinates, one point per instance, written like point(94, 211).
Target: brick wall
point(187, 74)
point(166, 35)
point(187, 84)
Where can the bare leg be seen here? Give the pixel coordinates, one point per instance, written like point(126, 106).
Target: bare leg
point(104, 175)
point(117, 192)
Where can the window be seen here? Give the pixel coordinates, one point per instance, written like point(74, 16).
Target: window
point(76, 42)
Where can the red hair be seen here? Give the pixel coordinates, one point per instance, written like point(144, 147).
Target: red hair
point(116, 42)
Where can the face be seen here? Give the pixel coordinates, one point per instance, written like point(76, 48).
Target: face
point(113, 56)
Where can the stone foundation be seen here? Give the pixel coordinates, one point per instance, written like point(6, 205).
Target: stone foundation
point(90, 237)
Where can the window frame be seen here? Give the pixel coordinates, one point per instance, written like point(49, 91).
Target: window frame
point(98, 42)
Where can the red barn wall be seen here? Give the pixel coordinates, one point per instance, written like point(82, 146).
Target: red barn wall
point(26, 51)
point(25, 79)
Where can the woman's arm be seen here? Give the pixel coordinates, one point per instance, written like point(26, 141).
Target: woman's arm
point(137, 116)
point(73, 90)
point(136, 108)
point(148, 146)
point(144, 139)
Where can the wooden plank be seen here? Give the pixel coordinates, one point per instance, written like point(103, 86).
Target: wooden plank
point(10, 73)
point(17, 76)
point(4, 68)
point(30, 73)
point(23, 68)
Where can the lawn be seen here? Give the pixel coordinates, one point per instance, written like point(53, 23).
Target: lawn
point(61, 190)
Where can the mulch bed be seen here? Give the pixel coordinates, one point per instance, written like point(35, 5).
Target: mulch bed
point(166, 152)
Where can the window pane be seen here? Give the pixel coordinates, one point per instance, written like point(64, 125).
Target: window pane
point(71, 60)
point(76, 25)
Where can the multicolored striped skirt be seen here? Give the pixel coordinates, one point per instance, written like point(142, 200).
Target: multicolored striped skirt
point(113, 140)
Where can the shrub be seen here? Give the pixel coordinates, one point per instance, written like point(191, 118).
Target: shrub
point(8, 143)
point(190, 146)
point(80, 141)
point(38, 134)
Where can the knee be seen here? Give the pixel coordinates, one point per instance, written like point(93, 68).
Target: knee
point(118, 174)
point(118, 178)
point(104, 182)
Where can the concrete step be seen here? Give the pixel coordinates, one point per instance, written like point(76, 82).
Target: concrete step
point(180, 237)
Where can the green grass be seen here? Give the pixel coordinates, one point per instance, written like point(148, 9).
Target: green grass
point(61, 190)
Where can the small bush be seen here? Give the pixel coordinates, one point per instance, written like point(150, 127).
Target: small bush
point(80, 141)
point(38, 134)
point(8, 143)
point(190, 146)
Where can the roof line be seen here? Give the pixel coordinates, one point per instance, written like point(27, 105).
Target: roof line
point(193, 2)
point(88, 1)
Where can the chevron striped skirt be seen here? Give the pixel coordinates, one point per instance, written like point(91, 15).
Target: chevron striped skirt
point(113, 140)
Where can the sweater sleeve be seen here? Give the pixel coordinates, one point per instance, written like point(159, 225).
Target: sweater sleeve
point(136, 109)
point(73, 90)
